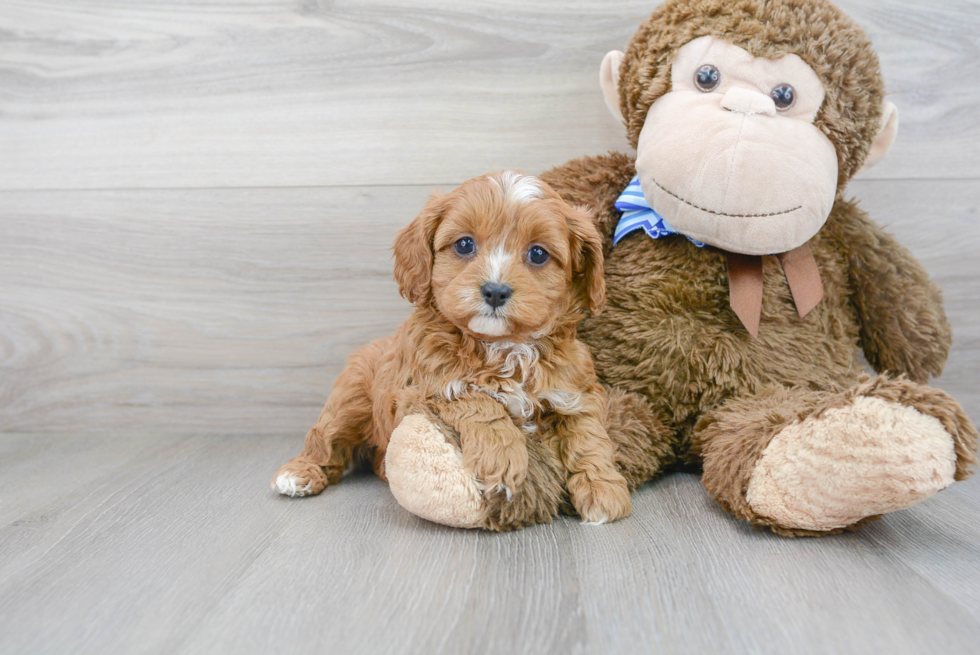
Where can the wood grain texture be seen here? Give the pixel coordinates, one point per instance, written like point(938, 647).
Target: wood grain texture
point(232, 311)
point(162, 312)
point(196, 204)
point(175, 545)
point(115, 94)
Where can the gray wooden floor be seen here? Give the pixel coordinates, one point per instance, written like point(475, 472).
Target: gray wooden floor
point(149, 543)
point(196, 205)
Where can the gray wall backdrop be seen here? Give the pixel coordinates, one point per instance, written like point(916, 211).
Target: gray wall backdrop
point(197, 199)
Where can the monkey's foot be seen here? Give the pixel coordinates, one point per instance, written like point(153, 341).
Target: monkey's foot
point(805, 462)
point(427, 476)
point(865, 458)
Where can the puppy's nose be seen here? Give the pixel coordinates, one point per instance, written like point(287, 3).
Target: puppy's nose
point(496, 294)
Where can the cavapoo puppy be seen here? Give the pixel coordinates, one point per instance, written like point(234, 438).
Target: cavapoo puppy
point(500, 271)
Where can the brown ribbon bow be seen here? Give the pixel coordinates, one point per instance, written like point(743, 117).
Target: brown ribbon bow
point(745, 284)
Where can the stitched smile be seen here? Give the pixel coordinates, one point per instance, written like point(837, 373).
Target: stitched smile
point(668, 191)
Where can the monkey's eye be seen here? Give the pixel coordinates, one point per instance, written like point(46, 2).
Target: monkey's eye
point(465, 247)
point(707, 78)
point(784, 96)
point(537, 255)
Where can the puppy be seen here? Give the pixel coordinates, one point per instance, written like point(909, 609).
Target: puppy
point(500, 272)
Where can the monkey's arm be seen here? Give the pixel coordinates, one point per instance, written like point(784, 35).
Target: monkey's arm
point(594, 182)
point(903, 325)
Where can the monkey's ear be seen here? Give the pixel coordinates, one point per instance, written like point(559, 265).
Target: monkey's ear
point(885, 138)
point(609, 81)
point(413, 250)
point(589, 277)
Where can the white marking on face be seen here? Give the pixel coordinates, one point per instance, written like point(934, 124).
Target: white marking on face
point(489, 326)
point(288, 484)
point(496, 261)
point(517, 187)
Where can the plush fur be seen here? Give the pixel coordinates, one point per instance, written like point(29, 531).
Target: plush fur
point(499, 383)
point(687, 385)
point(669, 334)
point(734, 437)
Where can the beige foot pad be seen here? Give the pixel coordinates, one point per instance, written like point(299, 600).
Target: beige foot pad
point(868, 458)
point(427, 476)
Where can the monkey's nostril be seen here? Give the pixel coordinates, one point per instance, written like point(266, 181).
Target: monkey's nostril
point(495, 294)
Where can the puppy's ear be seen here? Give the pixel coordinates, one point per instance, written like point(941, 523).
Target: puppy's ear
point(589, 277)
point(413, 250)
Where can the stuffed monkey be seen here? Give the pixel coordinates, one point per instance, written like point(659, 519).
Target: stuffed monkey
point(742, 283)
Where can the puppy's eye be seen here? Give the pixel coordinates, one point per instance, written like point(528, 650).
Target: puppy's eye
point(707, 78)
point(784, 96)
point(537, 255)
point(465, 247)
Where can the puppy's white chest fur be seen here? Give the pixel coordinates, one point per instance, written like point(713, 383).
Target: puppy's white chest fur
point(517, 363)
point(514, 384)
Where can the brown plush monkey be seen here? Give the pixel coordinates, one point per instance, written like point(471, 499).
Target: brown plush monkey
point(741, 283)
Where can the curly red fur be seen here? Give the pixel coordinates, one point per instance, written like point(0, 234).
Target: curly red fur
point(496, 376)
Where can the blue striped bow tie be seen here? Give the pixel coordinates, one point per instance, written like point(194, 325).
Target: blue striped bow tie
point(638, 214)
point(744, 271)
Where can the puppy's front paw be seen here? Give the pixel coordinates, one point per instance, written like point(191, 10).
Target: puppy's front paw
point(599, 501)
point(502, 469)
point(299, 477)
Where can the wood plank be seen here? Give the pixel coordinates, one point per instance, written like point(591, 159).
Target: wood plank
point(121, 311)
point(950, 558)
point(232, 311)
point(187, 551)
point(53, 481)
point(108, 94)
